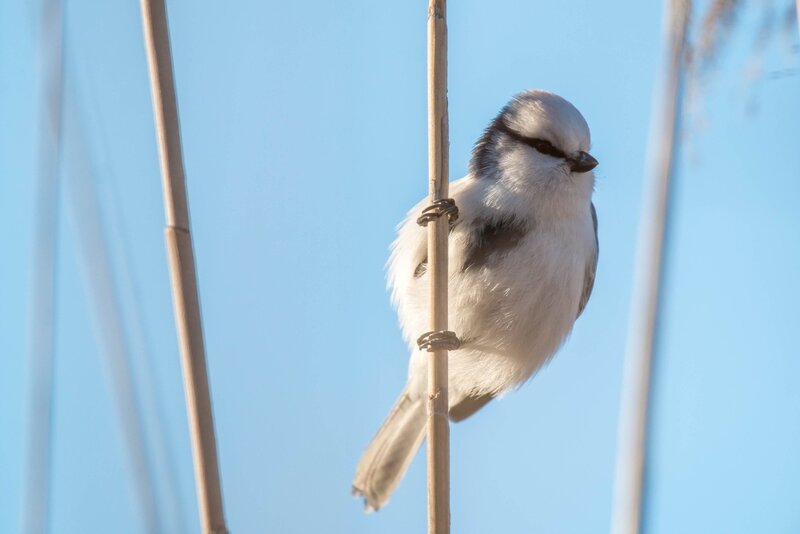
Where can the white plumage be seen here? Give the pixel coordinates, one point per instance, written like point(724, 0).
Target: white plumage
point(522, 258)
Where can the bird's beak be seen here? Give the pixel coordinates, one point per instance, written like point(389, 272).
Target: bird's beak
point(584, 162)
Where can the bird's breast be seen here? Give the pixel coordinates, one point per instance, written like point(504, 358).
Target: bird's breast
point(515, 306)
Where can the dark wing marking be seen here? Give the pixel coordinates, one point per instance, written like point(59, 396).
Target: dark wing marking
point(468, 406)
point(492, 240)
point(591, 268)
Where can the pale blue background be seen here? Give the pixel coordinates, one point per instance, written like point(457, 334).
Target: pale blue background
point(304, 136)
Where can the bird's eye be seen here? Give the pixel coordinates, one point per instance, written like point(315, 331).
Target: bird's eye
point(543, 146)
point(546, 147)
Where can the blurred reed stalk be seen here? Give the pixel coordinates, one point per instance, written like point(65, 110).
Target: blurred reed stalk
point(183, 276)
point(797, 13)
point(438, 452)
point(629, 489)
point(165, 469)
point(107, 316)
point(41, 327)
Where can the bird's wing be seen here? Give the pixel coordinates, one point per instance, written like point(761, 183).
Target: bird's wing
point(492, 240)
point(591, 268)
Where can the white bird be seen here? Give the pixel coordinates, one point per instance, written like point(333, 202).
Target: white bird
point(522, 262)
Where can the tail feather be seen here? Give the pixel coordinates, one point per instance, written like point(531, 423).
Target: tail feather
point(390, 452)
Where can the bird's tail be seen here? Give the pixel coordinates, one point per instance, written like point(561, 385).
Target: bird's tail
point(390, 452)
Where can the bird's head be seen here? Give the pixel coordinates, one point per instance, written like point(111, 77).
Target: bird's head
point(537, 136)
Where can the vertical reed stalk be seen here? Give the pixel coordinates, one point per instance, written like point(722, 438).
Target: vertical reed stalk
point(797, 13)
point(107, 317)
point(182, 269)
point(438, 144)
point(627, 516)
point(41, 329)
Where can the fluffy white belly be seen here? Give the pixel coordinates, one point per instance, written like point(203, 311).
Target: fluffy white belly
point(511, 315)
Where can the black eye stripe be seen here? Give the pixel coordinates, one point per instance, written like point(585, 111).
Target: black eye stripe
point(542, 146)
point(545, 147)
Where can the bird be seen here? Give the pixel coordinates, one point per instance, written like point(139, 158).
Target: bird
point(522, 260)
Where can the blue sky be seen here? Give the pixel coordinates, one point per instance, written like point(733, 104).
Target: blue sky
point(305, 143)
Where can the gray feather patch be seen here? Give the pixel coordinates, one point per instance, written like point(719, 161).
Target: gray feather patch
point(591, 268)
point(491, 241)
